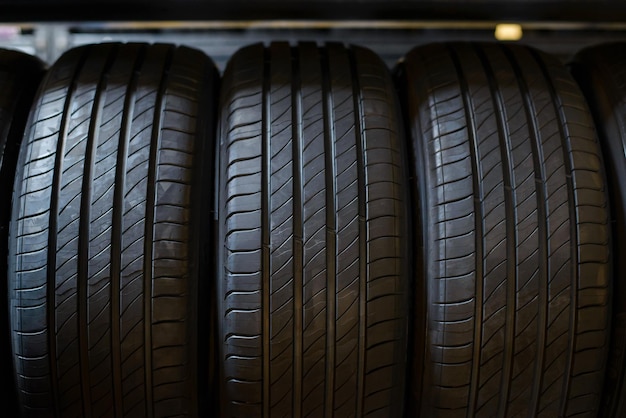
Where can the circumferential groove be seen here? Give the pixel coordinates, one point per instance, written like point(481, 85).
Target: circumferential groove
point(117, 228)
point(296, 121)
point(331, 231)
point(478, 227)
point(511, 231)
point(361, 158)
point(84, 233)
point(541, 193)
point(573, 237)
point(52, 233)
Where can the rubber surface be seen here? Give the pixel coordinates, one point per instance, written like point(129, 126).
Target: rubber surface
point(104, 257)
point(512, 317)
point(20, 75)
point(313, 235)
point(601, 75)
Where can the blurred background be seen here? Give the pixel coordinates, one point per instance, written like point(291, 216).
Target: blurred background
point(47, 28)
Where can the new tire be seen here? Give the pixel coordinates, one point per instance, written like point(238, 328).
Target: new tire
point(105, 257)
point(313, 235)
point(513, 270)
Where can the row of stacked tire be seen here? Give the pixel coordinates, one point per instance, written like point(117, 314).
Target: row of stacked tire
point(309, 236)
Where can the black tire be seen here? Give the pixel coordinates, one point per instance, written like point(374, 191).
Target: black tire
point(20, 75)
point(104, 263)
point(512, 318)
point(313, 235)
point(601, 74)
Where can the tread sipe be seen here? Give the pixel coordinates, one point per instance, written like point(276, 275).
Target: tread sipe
point(512, 222)
point(313, 235)
point(104, 255)
point(20, 75)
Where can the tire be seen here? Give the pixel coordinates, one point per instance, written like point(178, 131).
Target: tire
point(20, 75)
point(104, 265)
point(601, 76)
point(313, 235)
point(509, 186)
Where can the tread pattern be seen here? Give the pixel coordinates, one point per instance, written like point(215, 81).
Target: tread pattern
point(103, 253)
point(600, 73)
point(20, 75)
point(312, 235)
point(514, 217)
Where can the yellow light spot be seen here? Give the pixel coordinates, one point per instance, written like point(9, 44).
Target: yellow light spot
point(508, 32)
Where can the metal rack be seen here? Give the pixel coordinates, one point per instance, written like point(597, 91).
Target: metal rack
point(391, 39)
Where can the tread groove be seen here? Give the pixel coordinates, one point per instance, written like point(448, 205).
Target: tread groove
point(331, 231)
point(478, 210)
point(83, 231)
point(543, 241)
point(52, 233)
point(296, 121)
point(362, 236)
point(511, 232)
point(573, 216)
point(116, 233)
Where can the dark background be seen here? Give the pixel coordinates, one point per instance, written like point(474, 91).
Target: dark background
point(512, 10)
